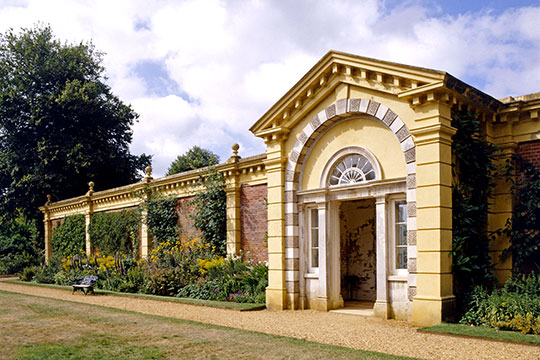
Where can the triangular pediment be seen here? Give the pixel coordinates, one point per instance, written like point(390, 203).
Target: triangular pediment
point(403, 81)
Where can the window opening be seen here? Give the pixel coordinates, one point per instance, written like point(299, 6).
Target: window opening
point(314, 239)
point(401, 235)
point(352, 169)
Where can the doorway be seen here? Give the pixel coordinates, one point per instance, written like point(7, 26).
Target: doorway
point(358, 258)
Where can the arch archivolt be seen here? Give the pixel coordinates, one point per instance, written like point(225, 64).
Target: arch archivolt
point(344, 109)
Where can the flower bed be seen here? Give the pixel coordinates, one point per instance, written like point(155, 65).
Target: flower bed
point(514, 307)
point(183, 269)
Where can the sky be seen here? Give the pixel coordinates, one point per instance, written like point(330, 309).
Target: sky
point(201, 72)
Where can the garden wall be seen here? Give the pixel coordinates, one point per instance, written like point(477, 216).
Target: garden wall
point(253, 225)
point(237, 172)
point(185, 223)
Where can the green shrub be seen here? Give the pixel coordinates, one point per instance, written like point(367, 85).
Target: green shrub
point(69, 236)
point(515, 307)
point(115, 232)
point(47, 272)
point(29, 273)
point(528, 285)
point(166, 282)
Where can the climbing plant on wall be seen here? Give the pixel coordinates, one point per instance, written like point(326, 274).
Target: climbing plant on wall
point(162, 219)
point(473, 173)
point(523, 229)
point(115, 232)
point(69, 236)
point(210, 215)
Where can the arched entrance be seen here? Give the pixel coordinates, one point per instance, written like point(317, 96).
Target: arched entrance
point(316, 235)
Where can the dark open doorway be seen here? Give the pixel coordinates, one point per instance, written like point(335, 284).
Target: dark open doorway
point(357, 248)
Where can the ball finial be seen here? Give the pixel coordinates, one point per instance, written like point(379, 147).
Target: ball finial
point(148, 171)
point(235, 148)
point(90, 188)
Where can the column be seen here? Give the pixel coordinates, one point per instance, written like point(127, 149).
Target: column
point(381, 307)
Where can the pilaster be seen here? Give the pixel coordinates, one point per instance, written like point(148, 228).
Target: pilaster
point(381, 308)
point(88, 219)
point(276, 292)
point(434, 301)
point(501, 205)
point(146, 237)
point(234, 241)
point(47, 224)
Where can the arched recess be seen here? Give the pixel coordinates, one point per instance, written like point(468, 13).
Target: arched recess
point(344, 109)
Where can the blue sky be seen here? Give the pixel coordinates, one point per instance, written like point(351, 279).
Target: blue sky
point(202, 72)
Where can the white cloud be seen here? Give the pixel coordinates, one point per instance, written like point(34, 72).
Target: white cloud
point(232, 60)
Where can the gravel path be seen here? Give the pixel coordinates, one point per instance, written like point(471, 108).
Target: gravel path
point(353, 331)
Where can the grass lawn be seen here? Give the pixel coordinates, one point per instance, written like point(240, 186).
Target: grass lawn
point(211, 303)
point(40, 328)
point(483, 332)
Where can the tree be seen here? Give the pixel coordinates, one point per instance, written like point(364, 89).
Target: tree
point(194, 158)
point(60, 124)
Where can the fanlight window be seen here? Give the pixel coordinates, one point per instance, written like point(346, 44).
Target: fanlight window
point(352, 169)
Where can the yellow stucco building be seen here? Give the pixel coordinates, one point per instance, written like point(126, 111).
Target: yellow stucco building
point(358, 180)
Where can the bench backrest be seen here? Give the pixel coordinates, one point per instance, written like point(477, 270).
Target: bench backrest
point(89, 280)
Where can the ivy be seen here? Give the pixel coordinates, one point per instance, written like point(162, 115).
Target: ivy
point(162, 219)
point(69, 237)
point(115, 232)
point(473, 173)
point(210, 214)
point(523, 229)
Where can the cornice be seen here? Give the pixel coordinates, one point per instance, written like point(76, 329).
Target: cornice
point(525, 107)
point(132, 195)
point(375, 74)
point(418, 86)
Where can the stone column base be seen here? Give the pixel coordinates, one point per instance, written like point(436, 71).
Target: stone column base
point(428, 312)
point(381, 309)
point(276, 299)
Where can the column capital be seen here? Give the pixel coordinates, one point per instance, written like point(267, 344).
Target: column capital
point(433, 133)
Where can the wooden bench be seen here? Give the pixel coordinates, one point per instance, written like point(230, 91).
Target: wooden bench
point(86, 284)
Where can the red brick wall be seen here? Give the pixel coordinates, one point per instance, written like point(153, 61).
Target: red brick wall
point(253, 226)
point(56, 222)
point(530, 151)
point(187, 229)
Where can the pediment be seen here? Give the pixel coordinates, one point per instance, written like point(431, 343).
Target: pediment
point(412, 84)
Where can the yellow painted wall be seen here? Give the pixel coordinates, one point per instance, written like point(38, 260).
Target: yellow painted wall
point(364, 132)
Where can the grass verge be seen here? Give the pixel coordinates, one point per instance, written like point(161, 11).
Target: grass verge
point(211, 303)
point(44, 328)
point(483, 332)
